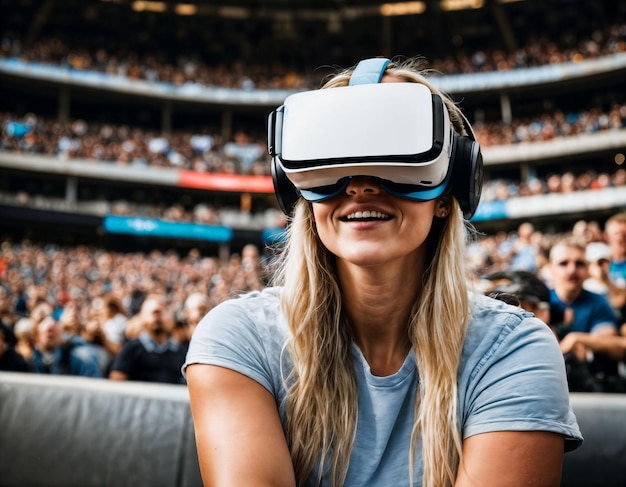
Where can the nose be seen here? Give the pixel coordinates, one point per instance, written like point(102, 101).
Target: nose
point(362, 184)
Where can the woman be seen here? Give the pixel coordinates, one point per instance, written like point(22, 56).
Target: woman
point(371, 362)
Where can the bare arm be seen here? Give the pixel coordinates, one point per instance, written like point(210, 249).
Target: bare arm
point(117, 375)
point(605, 341)
point(239, 435)
point(511, 459)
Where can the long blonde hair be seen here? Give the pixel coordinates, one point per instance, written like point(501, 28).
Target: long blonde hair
point(321, 406)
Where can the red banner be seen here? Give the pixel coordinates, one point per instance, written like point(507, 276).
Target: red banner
point(226, 182)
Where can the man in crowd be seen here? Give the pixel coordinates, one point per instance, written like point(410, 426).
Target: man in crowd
point(52, 354)
point(153, 356)
point(583, 321)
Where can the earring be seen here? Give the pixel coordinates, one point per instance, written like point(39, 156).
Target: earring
point(443, 214)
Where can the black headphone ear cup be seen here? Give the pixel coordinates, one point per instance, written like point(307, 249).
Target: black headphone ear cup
point(467, 174)
point(286, 193)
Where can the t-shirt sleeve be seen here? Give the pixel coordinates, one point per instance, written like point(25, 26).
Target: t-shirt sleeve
point(519, 384)
point(228, 337)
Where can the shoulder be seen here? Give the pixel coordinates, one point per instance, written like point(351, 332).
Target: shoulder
point(587, 296)
point(512, 374)
point(256, 304)
point(493, 320)
point(256, 313)
point(79, 348)
point(499, 333)
point(131, 348)
point(132, 344)
point(598, 305)
point(246, 334)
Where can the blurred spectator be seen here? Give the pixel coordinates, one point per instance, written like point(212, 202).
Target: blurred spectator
point(615, 235)
point(195, 307)
point(584, 322)
point(10, 360)
point(153, 356)
point(598, 256)
point(53, 355)
point(8, 314)
point(524, 250)
point(24, 340)
point(95, 337)
point(109, 313)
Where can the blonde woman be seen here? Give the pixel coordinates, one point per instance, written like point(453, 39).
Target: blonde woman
point(370, 362)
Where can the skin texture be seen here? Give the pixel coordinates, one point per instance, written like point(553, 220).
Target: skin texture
point(228, 405)
point(511, 458)
point(379, 265)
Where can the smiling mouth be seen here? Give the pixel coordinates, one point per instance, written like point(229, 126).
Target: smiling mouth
point(366, 216)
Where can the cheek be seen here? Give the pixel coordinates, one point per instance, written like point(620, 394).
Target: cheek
point(321, 216)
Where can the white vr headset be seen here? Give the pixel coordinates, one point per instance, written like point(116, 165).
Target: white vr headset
point(399, 133)
point(395, 131)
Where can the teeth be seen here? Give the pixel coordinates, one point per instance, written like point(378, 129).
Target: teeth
point(367, 214)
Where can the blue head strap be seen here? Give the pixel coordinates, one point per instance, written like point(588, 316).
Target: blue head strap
point(369, 71)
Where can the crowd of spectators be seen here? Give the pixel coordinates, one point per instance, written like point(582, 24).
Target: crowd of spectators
point(123, 145)
point(537, 52)
point(549, 126)
point(553, 183)
point(246, 153)
point(53, 296)
point(157, 67)
point(95, 301)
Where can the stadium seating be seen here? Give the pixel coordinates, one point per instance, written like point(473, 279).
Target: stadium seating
point(76, 432)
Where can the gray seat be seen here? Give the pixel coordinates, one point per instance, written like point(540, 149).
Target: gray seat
point(79, 432)
point(74, 431)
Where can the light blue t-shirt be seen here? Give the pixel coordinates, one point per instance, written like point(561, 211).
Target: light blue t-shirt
point(511, 377)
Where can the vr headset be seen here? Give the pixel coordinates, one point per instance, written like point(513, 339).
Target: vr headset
point(399, 133)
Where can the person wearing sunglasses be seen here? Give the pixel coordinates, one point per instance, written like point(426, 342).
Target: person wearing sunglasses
point(369, 361)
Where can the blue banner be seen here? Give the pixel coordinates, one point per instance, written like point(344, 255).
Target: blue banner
point(160, 228)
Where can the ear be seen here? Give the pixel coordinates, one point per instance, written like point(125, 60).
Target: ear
point(442, 206)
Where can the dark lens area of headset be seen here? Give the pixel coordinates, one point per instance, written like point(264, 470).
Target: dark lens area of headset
point(331, 188)
point(322, 193)
point(401, 187)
